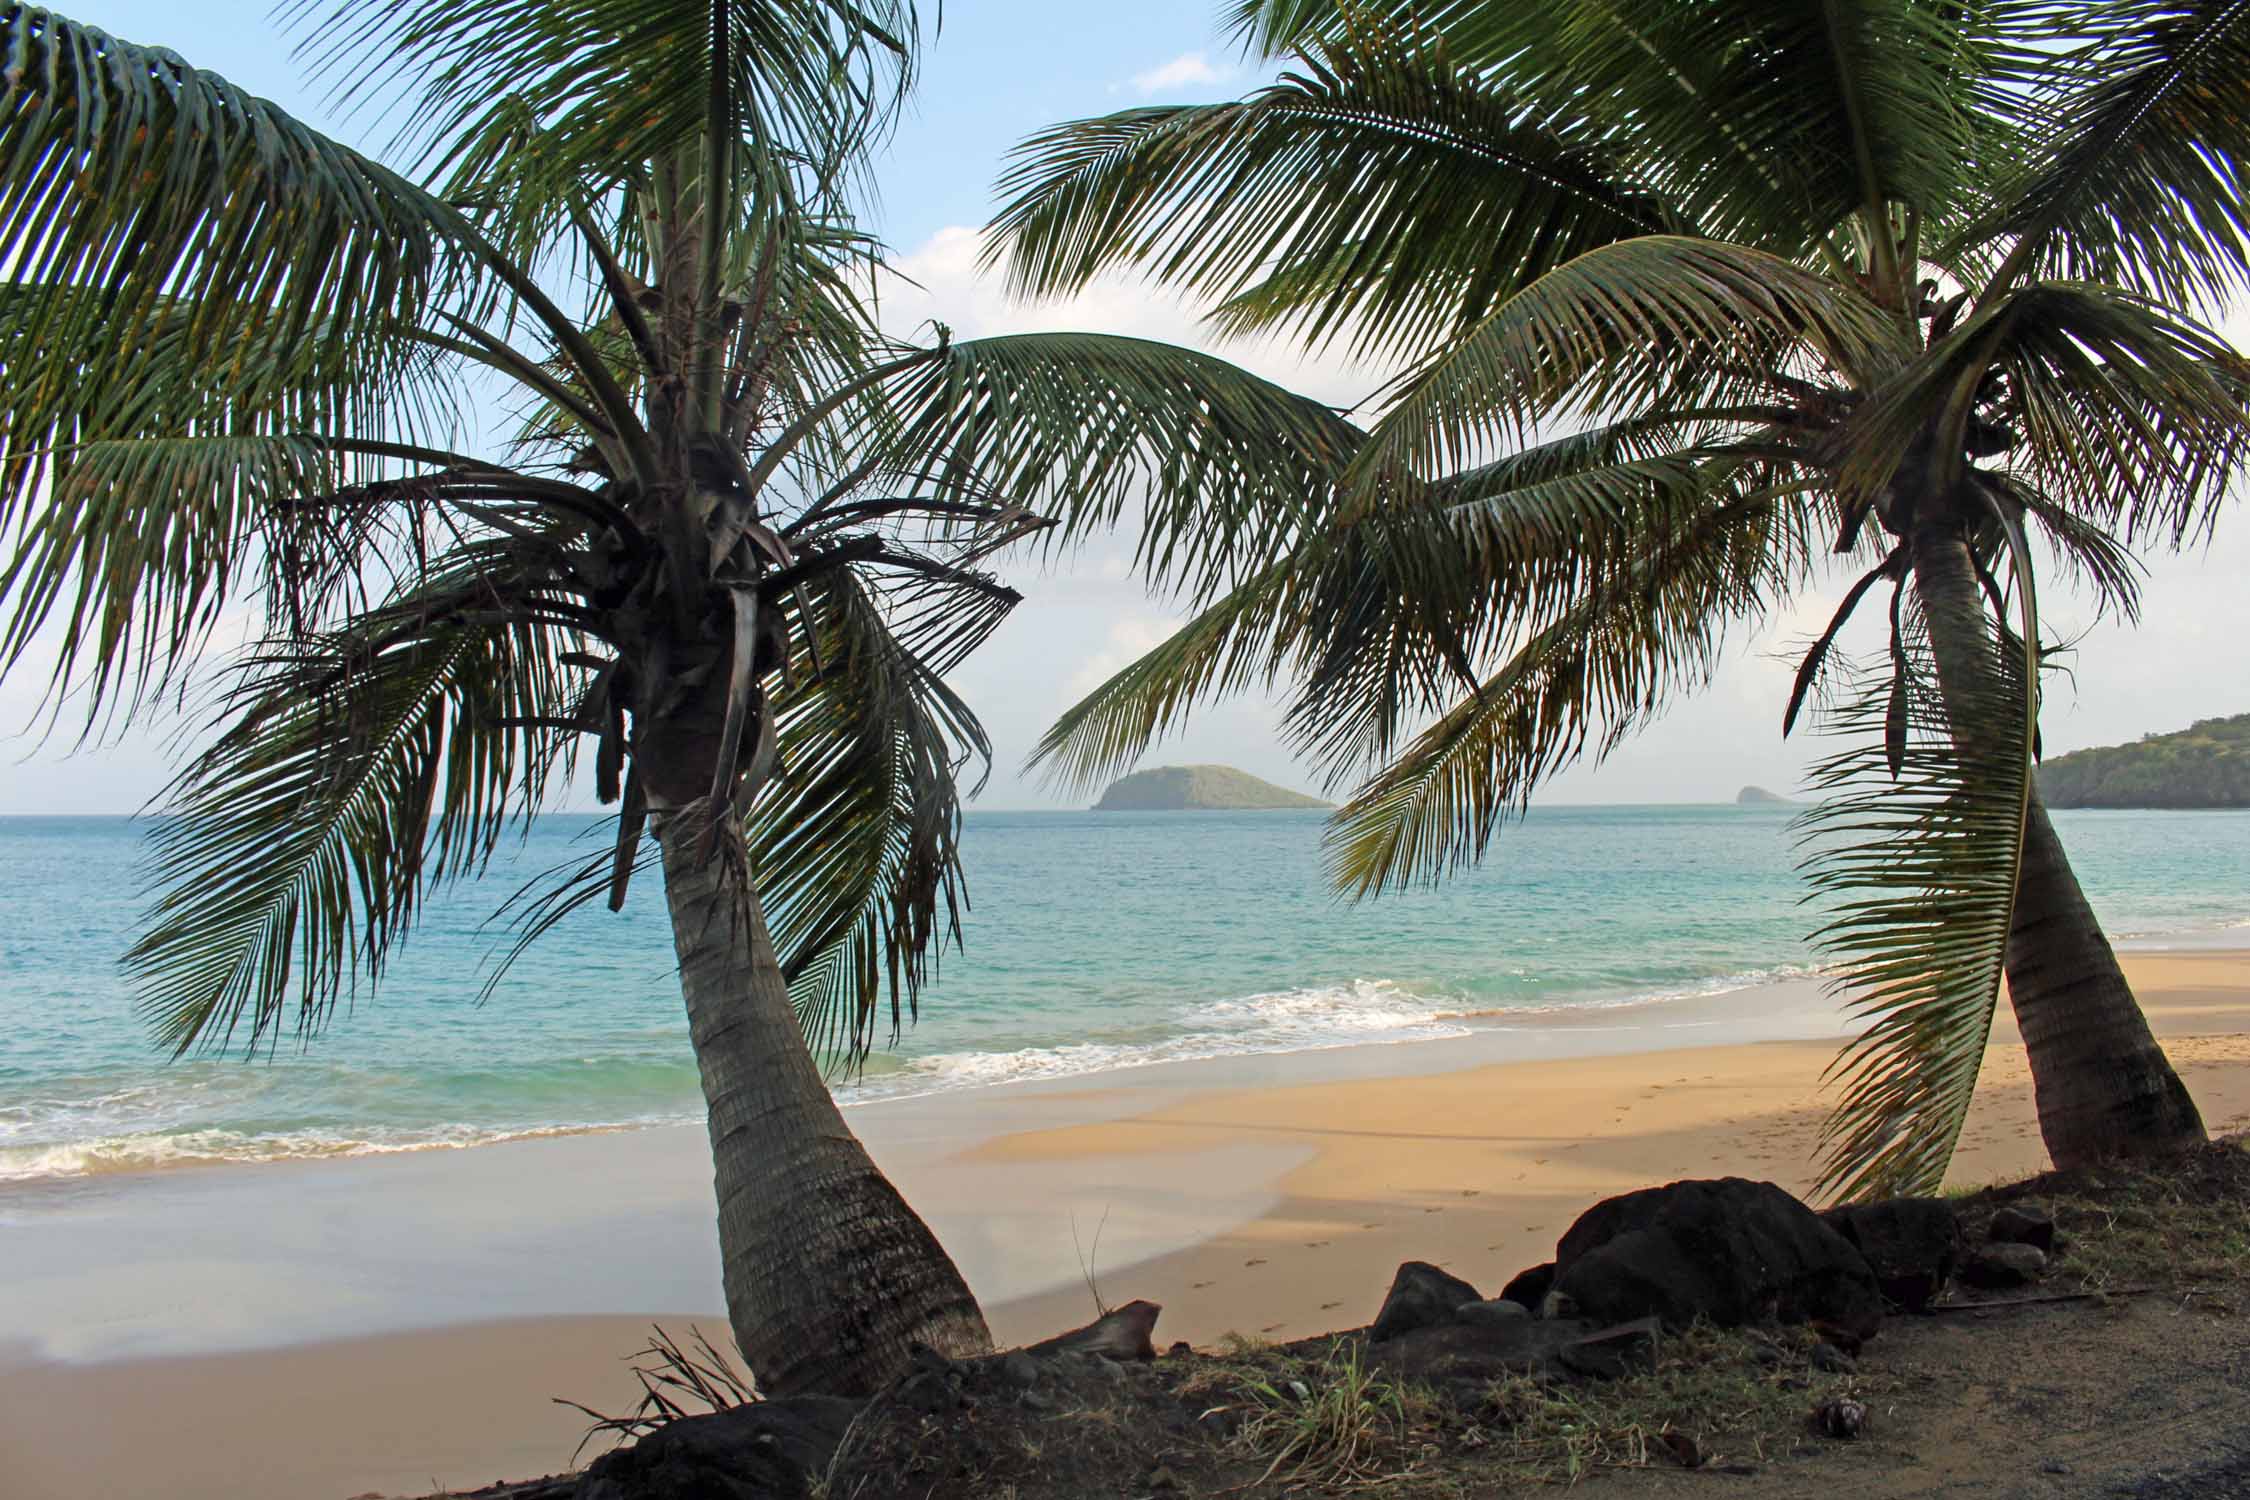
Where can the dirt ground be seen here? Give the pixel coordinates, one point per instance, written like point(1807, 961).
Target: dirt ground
point(2146, 1396)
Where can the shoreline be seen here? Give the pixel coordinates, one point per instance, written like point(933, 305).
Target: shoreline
point(400, 1322)
point(1748, 998)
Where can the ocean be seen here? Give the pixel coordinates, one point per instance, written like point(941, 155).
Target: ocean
point(1094, 942)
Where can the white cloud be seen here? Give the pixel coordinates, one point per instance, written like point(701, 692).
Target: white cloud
point(1128, 640)
point(950, 287)
point(1188, 68)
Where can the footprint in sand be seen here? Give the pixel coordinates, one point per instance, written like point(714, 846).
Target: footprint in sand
point(1470, 1192)
point(1433, 1210)
point(1315, 1244)
point(1376, 1225)
point(1248, 1263)
point(1330, 1306)
point(1539, 1161)
point(1197, 1286)
point(1271, 1328)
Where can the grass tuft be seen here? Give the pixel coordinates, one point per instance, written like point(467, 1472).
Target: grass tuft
point(1336, 1424)
point(677, 1380)
point(1720, 1395)
point(2181, 1223)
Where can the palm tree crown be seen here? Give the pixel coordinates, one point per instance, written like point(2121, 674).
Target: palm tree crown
point(1906, 283)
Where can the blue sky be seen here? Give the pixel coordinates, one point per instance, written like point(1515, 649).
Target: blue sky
point(998, 70)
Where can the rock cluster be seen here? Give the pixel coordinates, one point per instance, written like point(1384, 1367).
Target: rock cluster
point(1630, 1271)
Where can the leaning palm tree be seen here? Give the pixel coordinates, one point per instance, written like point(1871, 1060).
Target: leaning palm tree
point(584, 434)
point(1691, 299)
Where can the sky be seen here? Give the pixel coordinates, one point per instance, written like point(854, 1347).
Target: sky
point(996, 71)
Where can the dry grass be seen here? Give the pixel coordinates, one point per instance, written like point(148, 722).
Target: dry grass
point(1714, 1397)
point(677, 1380)
point(2181, 1224)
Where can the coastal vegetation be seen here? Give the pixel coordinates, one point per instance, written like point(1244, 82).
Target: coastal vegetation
point(1198, 788)
point(2204, 765)
point(576, 440)
point(1696, 305)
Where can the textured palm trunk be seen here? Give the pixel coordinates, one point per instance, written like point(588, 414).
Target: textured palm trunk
point(2103, 1086)
point(830, 1277)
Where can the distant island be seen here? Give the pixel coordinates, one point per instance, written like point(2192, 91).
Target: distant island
point(2206, 765)
point(1198, 789)
point(1758, 796)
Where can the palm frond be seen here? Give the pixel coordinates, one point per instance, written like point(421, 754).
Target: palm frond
point(1380, 618)
point(137, 178)
point(2134, 174)
point(1377, 194)
point(2135, 417)
point(856, 841)
point(1223, 469)
point(525, 104)
point(1395, 628)
point(1768, 122)
point(1619, 328)
point(2129, 415)
point(1235, 643)
point(2091, 556)
point(361, 768)
point(134, 496)
point(1583, 682)
point(1914, 854)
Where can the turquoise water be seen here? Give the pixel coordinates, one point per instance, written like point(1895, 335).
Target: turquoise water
point(1095, 941)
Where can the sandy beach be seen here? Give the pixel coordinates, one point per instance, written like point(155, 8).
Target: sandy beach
point(392, 1325)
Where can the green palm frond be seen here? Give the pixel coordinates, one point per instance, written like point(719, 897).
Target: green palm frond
point(1620, 327)
point(856, 843)
point(1579, 684)
point(136, 177)
point(2139, 132)
point(2135, 417)
point(2091, 557)
point(527, 103)
point(1765, 121)
point(2132, 416)
point(1378, 195)
point(1914, 855)
point(1223, 650)
point(1381, 617)
point(1496, 556)
point(1223, 469)
point(361, 768)
point(133, 496)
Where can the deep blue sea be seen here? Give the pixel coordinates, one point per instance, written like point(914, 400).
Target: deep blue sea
point(1095, 941)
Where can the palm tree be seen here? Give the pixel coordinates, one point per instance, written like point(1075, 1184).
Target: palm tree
point(1690, 296)
point(587, 433)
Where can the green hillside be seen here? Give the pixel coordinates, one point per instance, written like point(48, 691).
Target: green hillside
point(2204, 766)
point(1198, 789)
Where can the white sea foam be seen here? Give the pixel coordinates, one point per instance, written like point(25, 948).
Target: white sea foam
point(147, 1127)
point(1363, 1012)
point(150, 1151)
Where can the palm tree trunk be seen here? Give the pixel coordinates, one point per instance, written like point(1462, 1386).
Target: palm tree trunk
point(2103, 1086)
point(830, 1277)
